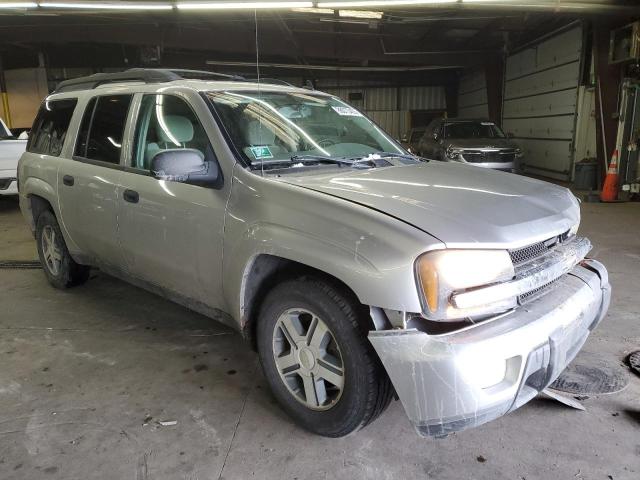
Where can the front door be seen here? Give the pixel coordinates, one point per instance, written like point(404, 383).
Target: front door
point(172, 233)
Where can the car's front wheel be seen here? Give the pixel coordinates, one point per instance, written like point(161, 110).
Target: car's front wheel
point(61, 270)
point(317, 360)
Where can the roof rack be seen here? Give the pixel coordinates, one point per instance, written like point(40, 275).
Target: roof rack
point(145, 75)
point(270, 81)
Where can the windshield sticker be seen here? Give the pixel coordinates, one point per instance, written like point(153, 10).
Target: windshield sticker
point(261, 152)
point(346, 111)
point(487, 123)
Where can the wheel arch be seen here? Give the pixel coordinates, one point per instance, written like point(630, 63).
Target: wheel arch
point(264, 272)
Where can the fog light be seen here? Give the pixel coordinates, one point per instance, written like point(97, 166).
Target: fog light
point(484, 372)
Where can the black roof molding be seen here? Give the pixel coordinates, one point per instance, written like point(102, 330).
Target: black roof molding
point(144, 75)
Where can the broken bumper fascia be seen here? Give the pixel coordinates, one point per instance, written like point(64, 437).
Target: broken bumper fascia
point(460, 380)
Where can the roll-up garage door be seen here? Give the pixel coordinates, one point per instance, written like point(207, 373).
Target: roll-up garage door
point(540, 98)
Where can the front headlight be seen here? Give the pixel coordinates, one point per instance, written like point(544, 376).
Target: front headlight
point(452, 153)
point(519, 153)
point(442, 273)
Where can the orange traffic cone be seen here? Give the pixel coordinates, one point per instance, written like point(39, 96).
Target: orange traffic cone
point(610, 187)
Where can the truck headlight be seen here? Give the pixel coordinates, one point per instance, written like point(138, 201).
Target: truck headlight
point(442, 273)
point(452, 153)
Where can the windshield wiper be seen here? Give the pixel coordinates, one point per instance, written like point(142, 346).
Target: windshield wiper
point(320, 158)
point(406, 156)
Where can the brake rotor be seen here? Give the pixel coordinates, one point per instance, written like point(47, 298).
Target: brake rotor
point(590, 374)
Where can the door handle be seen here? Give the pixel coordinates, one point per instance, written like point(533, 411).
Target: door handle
point(68, 180)
point(130, 196)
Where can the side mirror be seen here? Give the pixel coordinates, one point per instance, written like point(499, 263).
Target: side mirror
point(185, 165)
point(436, 136)
point(510, 135)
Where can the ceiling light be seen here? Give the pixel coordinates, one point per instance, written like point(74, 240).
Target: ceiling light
point(359, 14)
point(240, 5)
point(108, 5)
point(382, 3)
point(18, 5)
point(323, 11)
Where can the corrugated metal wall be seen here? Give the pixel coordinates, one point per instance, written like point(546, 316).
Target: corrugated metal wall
point(472, 95)
point(389, 107)
point(540, 98)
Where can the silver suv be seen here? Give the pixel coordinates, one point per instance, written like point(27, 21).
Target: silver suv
point(356, 270)
point(478, 142)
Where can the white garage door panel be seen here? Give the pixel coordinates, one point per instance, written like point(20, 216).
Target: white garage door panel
point(521, 63)
point(551, 158)
point(556, 103)
point(563, 48)
point(540, 100)
point(548, 127)
point(563, 77)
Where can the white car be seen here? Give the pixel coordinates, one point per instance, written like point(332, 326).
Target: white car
point(11, 148)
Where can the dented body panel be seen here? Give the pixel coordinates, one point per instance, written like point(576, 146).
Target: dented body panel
point(437, 376)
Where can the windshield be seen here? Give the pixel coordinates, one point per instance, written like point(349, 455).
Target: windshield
point(472, 130)
point(271, 126)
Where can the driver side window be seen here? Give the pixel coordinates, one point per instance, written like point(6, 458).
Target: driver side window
point(165, 123)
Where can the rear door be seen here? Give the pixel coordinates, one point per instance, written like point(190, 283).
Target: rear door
point(89, 183)
point(171, 232)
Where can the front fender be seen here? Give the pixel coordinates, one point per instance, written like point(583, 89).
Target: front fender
point(369, 251)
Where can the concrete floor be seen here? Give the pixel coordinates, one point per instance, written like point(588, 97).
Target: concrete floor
point(86, 374)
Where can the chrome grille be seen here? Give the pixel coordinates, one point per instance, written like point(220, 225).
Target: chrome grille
point(535, 293)
point(523, 255)
point(480, 156)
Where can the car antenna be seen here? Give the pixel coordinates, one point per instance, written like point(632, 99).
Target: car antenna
point(255, 18)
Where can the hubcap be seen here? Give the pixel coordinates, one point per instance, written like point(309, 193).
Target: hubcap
point(50, 250)
point(308, 359)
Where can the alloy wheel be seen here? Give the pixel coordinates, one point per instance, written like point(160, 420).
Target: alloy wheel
point(308, 359)
point(50, 250)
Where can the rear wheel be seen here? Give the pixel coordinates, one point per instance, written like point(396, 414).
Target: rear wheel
point(317, 359)
point(60, 269)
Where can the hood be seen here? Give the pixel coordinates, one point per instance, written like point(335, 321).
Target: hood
point(458, 204)
point(480, 143)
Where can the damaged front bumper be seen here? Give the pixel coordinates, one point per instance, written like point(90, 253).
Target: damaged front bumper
point(463, 379)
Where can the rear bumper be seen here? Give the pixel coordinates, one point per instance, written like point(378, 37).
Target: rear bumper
point(461, 380)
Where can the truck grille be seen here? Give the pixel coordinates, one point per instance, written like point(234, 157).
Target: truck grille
point(535, 293)
point(522, 258)
point(493, 156)
point(523, 255)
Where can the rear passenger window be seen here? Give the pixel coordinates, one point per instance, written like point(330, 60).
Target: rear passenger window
point(102, 128)
point(50, 126)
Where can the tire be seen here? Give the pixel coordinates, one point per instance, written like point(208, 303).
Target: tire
point(366, 390)
point(60, 269)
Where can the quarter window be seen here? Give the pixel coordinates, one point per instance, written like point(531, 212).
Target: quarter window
point(167, 122)
point(50, 126)
point(102, 128)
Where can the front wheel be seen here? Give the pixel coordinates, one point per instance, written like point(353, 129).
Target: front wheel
point(61, 270)
point(317, 359)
